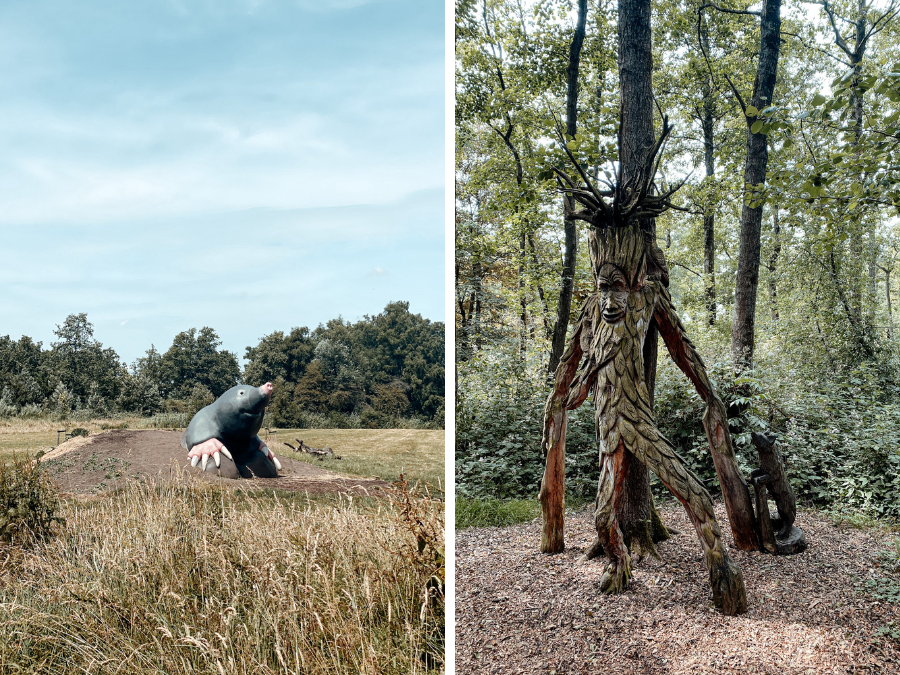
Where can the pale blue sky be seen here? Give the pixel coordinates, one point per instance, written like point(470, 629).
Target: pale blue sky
point(250, 165)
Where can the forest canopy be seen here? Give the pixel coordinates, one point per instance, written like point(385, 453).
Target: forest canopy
point(381, 371)
point(815, 360)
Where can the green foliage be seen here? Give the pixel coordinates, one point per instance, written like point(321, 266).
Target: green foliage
point(392, 362)
point(29, 502)
point(499, 416)
point(140, 394)
point(80, 362)
point(194, 360)
point(884, 589)
point(494, 512)
point(391, 365)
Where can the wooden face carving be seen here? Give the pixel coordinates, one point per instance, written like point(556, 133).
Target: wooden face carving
point(613, 288)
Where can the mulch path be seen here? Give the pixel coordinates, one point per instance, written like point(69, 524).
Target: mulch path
point(519, 611)
point(106, 460)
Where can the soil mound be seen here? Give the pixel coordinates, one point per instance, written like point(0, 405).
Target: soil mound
point(105, 461)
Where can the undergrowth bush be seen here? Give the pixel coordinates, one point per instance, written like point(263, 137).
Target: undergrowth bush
point(839, 435)
point(188, 577)
point(499, 417)
point(29, 502)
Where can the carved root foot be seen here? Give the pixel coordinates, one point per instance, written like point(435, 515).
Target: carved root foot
point(616, 575)
point(727, 583)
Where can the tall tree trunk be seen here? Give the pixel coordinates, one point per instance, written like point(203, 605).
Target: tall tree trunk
point(709, 218)
point(564, 307)
point(635, 141)
point(743, 330)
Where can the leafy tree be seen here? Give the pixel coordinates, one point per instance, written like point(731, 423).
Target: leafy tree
point(24, 370)
point(279, 355)
point(140, 394)
point(194, 359)
point(80, 362)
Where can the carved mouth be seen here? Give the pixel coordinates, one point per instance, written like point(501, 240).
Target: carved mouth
point(613, 317)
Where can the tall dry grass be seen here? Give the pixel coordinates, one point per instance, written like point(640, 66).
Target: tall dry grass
point(193, 578)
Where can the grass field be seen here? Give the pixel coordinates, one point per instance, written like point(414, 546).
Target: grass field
point(29, 436)
point(386, 453)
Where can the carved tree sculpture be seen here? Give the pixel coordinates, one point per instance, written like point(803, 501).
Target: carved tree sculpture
point(605, 356)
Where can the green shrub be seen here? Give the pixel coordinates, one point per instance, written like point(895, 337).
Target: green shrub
point(29, 501)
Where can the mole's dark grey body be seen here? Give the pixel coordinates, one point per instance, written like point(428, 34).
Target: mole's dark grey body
point(234, 419)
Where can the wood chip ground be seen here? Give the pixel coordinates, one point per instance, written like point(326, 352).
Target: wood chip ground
point(519, 611)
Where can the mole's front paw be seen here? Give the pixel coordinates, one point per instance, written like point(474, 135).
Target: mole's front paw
point(212, 448)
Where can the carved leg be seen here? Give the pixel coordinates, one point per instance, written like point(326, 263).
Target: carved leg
point(609, 536)
point(725, 578)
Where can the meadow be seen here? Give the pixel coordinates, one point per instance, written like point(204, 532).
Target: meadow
point(189, 577)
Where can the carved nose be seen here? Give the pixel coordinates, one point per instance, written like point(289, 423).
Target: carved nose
point(266, 389)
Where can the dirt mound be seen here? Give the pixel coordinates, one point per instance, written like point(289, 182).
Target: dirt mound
point(107, 460)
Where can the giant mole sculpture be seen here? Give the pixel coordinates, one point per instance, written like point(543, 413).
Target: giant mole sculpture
point(227, 429)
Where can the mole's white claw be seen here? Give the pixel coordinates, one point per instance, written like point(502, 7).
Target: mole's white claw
point(195, 460)
point(225, 452)
point(217, 460)
point(277, 463)
point(205, 461)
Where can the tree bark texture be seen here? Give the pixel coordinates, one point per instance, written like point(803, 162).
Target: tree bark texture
point(709, 218)
point(743, 330)
point(635, 59)
point(773, 264)
point(567, 286)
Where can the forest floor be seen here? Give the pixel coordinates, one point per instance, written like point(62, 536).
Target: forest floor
point(831, 609)
point(105, 461)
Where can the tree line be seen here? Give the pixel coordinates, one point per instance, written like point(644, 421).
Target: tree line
point(380, 371)
point(780, 251)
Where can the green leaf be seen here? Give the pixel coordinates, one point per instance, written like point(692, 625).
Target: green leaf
point(818, 100)
point(756, 126)
point(751, 111)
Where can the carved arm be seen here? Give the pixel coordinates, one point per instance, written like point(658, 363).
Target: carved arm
point(715, 421)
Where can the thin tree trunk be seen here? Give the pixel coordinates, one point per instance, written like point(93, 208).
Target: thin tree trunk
point(540, 288)
point(773, 265)
point(567, 285)
point(887, 295)
point(743, 330)
point(552, 493)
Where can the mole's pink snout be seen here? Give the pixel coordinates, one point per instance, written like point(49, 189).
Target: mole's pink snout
point(266, 389)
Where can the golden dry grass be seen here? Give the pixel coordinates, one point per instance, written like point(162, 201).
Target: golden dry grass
point(194, 578)
point(416, 453)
